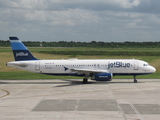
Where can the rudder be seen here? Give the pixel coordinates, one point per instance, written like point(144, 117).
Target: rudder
point(20, 51)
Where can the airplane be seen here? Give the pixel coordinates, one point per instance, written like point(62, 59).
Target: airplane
point(96, 69)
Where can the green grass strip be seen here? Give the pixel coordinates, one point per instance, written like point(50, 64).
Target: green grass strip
point(23, 75)
point(110, 53)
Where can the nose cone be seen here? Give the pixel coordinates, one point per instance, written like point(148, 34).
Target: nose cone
point(153, 70)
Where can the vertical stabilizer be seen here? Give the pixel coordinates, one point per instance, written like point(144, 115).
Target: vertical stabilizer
point(20, 51)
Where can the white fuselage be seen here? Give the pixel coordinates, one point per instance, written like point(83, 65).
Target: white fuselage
point(65, 67)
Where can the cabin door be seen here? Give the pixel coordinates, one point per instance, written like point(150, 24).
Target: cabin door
point(37, 66)
point(136, 66)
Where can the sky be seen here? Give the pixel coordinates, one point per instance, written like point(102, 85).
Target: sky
point(80, 20)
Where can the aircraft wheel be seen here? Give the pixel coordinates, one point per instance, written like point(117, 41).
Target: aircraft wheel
point(85, 80)
point(135, 81)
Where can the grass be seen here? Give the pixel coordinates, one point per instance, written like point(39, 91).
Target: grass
point(12, 73)
point(106, 53)
point(24, 75)
point(36, 49)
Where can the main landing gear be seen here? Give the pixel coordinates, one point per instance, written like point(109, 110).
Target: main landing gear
point(85, 80)
point(135, 81)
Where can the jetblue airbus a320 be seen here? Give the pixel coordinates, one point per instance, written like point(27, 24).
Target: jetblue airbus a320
point(96, 69)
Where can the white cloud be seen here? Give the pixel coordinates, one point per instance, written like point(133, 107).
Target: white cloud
point(124, 3)
point(111, 20)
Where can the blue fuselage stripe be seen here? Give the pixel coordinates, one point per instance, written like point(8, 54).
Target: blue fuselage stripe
point(75, 74)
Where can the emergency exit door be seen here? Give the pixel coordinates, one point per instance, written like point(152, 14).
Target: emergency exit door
point(96, 65)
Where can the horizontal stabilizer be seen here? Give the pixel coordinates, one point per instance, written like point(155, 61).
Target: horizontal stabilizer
point(17, 64)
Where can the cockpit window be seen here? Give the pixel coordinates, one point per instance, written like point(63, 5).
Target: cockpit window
point(145, 64)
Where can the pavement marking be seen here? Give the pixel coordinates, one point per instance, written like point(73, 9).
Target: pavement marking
point(137, 112)
point(7, 93)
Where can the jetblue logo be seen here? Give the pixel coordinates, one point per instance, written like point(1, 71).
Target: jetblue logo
point(118, 65)
point(21, 54)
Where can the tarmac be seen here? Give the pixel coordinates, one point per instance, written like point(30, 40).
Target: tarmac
point(119, 99)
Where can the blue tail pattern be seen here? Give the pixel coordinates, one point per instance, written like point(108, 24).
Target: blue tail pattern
point(20, 52)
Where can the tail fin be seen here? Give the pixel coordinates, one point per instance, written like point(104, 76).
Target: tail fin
point(20, 51)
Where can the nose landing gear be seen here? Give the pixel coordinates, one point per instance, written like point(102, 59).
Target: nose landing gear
point(135, 80)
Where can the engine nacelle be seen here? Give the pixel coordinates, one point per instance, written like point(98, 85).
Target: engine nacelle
point(102, 77)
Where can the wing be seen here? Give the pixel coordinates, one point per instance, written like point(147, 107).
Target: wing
point(89, 70)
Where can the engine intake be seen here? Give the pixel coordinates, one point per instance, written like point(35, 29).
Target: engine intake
point(102, 77)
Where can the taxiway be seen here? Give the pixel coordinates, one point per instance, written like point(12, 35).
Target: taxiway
point(72, 100)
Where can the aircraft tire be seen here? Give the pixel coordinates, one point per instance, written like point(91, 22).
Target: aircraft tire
point(85, 80)
point(135, 81)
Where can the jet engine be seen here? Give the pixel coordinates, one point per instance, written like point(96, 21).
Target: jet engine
point(102, 77)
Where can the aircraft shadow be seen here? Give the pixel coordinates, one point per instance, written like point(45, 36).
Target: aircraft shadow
point(66, 82)
point(74, 83)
